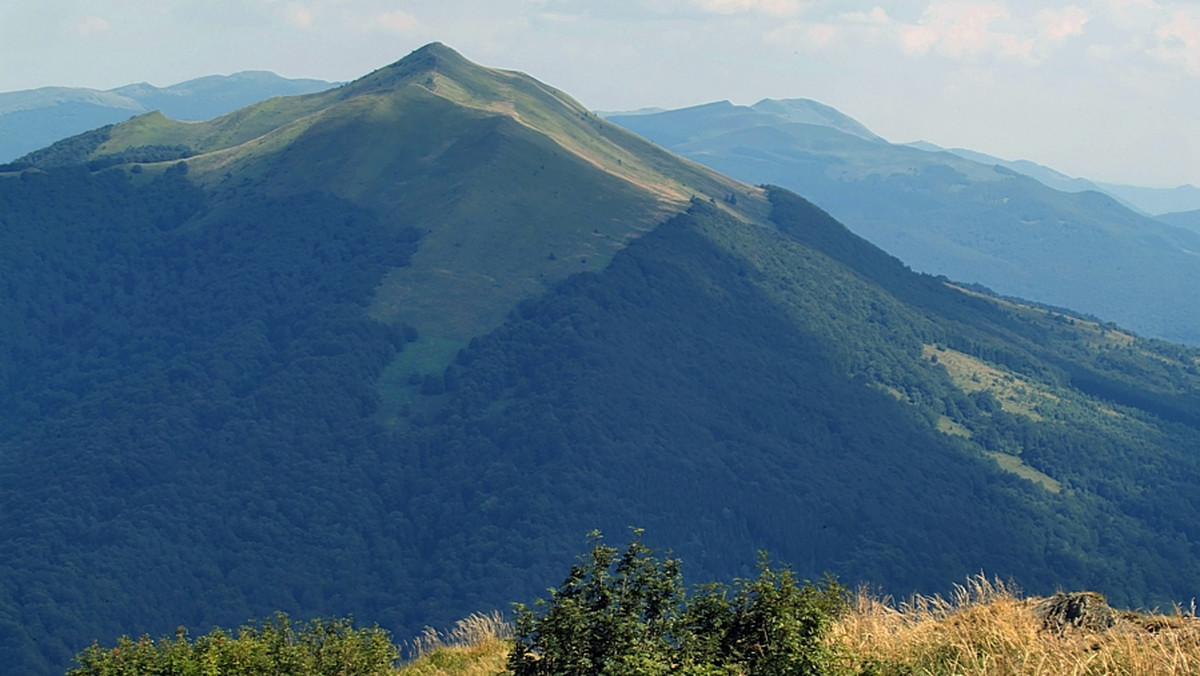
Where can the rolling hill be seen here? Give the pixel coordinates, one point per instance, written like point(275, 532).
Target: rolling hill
point(392, 349)
point(943, 213)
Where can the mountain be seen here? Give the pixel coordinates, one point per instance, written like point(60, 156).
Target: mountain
point(1156, 200)
point(393, 349)
point(35, 118)
point(1043, 174)
point(1148, 201)
point(1182, 219)
point(945, 214)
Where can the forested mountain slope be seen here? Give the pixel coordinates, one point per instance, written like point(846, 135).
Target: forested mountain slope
point(945, 214)
point(393, 349)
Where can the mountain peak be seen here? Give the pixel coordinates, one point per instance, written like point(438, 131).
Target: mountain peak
point(433, 58)
point(435, 55)
point(436, 49)
point(807, 111)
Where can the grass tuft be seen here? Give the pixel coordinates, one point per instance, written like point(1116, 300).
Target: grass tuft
point(476, 646)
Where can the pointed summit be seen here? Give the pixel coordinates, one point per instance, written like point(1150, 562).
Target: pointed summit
point(434, 57)
point(436, 54)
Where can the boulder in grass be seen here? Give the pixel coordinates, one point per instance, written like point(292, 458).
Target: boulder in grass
point(1078, 610)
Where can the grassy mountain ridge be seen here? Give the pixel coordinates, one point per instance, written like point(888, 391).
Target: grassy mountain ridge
point(35, 118)
point(382, 353)
point(414, 125)
point(946, 214)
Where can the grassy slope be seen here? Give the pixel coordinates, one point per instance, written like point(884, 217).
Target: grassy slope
point(465, 151)
point(984, 629)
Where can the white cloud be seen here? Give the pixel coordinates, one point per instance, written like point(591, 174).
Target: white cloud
point(819, 35)
point(971, 29)
point(955, 29)
point(1060, 24)
point(1179, 40)
point(877, 16)
point(842, 28)
point(916, 40)
point(770, 7)
point(91, 26)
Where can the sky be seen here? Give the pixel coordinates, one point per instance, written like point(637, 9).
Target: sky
point(1104, 89)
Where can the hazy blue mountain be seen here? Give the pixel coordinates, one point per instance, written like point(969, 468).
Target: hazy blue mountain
point(1050, 177)
point(35, 118)
point(1182, 219)
point(1156, 200)
point(391, 350)
point(1149, 201)
point(945, 214)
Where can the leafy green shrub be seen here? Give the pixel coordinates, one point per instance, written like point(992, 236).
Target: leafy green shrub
point(625, 613)
point(277, 647)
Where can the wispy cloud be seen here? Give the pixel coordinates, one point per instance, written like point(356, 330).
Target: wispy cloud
point(1060, 24)
point(957, 29)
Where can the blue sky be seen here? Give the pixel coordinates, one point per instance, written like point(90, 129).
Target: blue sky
point(1107, 89)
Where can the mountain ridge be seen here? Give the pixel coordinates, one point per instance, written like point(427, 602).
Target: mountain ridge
point(942, 213)
point(32, 119)
point(1144, 200)
point(377, 352)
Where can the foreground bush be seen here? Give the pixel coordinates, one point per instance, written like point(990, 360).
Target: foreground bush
point(277, 647)
point(627, 613)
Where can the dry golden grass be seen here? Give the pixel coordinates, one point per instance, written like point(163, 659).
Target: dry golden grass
point(1015, 394)
point(986, 629)
point(476, 646)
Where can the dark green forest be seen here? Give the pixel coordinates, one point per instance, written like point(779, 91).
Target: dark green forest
point(190, 434)
point(183, 410)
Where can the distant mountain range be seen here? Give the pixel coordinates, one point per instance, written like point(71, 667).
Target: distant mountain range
point(1148, 201)
point(35, 118)
point(393, 349)
point(965, 215)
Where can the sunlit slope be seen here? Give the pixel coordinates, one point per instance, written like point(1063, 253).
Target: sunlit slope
point(384, 94)
point(514, 184)
point(973, 221)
